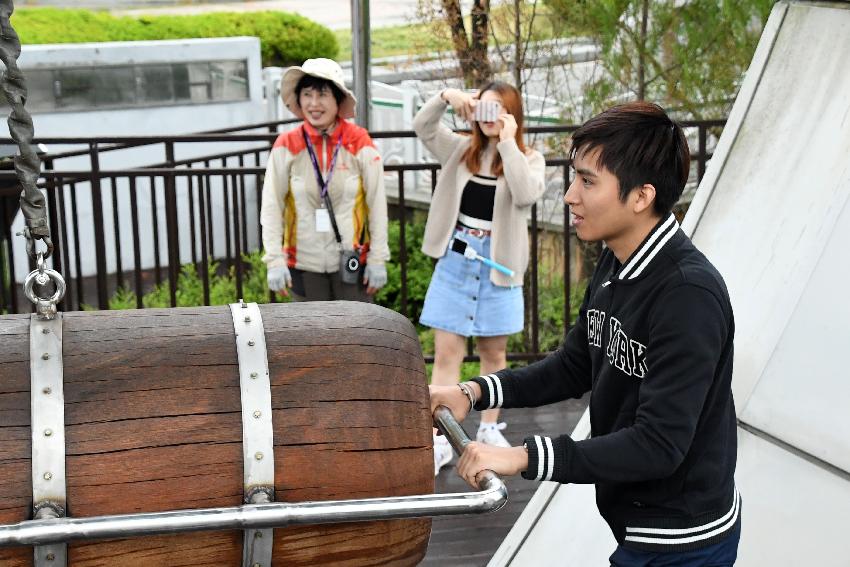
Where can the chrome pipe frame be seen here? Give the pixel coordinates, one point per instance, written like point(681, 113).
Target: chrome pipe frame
point(493, 496)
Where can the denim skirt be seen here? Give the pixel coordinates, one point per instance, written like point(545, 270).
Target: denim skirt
point(461, 298)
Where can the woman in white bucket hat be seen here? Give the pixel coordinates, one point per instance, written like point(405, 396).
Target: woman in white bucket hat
point(324, 208)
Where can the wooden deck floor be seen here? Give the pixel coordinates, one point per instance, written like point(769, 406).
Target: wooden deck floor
point(471, 540)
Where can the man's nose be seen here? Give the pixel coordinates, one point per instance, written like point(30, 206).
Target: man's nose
point(569, 196)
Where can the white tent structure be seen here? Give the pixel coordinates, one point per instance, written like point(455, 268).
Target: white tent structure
point(773, 214)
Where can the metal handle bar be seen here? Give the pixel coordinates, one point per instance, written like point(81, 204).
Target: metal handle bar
point(494, 495)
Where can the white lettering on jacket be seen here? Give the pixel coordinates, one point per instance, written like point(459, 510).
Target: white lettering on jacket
point(625, 354)
point(595, 326)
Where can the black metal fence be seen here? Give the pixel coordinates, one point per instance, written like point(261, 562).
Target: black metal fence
point(194, 204)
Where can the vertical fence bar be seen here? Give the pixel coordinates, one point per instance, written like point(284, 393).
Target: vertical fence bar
point(31, 264)
point(171, 227)
point(13, 286)
point(53, 216)
point(225, 192)
point(155, 221)
point(137, 246)
point(701, 157)
point(244, 216)
point(190, 182)
point(53, 213)
point(202, 219)
point(402, 245)
point(258, 188)
point(99, 237)
point(208, 190)
point(535, 300)
point(77, 259)
point(66, 252)
point(119, 268)
point(272, 130)
point(4, 239)
point(237, 235)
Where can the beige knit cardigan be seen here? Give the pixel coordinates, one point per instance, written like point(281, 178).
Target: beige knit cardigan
point(520, 185)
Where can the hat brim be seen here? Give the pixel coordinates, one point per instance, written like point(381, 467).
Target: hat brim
point(287, 92)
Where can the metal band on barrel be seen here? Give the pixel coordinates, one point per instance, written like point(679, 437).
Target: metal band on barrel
point(257, 436)
point(47, 404)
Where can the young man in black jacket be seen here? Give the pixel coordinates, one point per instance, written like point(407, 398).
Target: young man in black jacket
point(653, 345)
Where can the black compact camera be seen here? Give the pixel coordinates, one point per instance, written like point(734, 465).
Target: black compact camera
point(350, 266)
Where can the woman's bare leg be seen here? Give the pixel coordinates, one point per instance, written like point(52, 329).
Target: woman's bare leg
point(493, 353)
point(449, 349)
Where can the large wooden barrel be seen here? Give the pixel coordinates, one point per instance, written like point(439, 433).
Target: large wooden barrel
point(153, 423)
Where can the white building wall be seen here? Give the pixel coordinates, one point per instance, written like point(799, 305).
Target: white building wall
point(142, 121)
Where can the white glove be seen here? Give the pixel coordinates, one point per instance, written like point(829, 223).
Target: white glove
point(375, 275)
point(279, 278)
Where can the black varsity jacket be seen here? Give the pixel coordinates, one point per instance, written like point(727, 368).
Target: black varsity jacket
point(653, 345)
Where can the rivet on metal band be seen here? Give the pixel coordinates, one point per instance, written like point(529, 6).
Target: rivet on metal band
point(47, 404)
point(257, 436)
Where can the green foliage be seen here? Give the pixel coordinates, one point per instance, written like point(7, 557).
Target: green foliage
point(190, 287)
point(124, 298)
point(285, 39)
point(690, 56)
point(550, 304)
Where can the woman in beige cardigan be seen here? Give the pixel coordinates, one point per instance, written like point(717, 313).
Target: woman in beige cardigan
point(488, 182)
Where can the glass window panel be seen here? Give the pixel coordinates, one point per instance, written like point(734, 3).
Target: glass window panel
point(229, 80)
point(157, 84)
point(198, 79)
point(115, 86)
point(180, 81)
point(97, 87)
point(89, 88)
point(77, 88)
point(40, 90)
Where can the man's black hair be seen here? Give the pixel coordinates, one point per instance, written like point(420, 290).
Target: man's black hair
point(639, 144)
point(309, 81)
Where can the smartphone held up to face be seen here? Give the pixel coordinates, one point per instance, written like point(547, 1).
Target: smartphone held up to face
point(487, 111)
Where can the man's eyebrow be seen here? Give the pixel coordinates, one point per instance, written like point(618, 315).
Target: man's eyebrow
point(586, 172)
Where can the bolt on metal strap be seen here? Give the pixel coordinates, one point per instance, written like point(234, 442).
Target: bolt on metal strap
point(257, 434)
point(47, 403)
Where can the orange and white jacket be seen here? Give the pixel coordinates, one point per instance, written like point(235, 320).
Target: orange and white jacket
point(291, 197)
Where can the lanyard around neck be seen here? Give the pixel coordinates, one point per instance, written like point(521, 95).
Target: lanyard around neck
point(323, 183)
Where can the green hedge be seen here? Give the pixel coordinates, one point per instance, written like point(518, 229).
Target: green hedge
point(285, 39)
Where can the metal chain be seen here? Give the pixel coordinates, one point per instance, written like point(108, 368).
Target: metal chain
point(27, 162)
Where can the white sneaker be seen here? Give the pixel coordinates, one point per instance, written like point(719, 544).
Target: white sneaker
point(491, 434)
point(442, 453)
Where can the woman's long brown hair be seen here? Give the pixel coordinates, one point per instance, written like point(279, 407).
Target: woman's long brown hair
point(512, 103)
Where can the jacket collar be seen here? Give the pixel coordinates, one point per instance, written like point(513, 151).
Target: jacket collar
point(316, 135)
point(642, 258)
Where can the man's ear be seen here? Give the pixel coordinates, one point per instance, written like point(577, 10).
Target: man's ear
point(644, 197)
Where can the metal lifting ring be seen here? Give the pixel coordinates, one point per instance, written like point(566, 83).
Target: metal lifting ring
point(42, 275)
point(45, 307)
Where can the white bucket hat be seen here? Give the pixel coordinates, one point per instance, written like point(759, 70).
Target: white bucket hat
point(322, 68)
